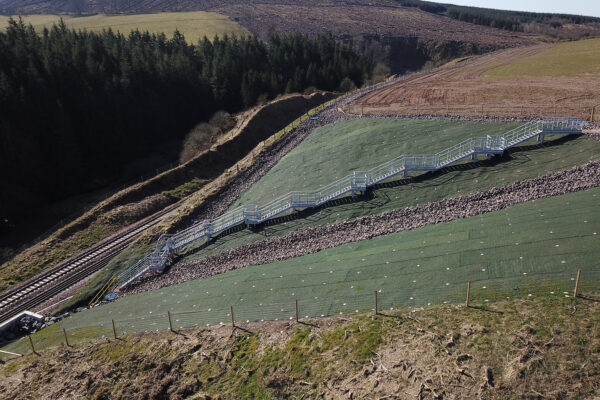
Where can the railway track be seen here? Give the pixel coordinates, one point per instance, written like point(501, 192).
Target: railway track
point(53, 281)
point(64, 275)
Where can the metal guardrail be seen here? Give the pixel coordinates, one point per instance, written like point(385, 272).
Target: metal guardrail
point(356, 182)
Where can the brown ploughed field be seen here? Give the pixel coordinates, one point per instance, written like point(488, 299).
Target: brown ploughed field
point(542, 80)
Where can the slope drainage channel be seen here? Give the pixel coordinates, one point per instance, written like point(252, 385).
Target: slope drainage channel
point(356, 182)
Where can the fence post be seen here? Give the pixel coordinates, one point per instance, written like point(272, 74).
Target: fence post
point(468, 292)
point(577, 283)
point(31, 343)
point(170, 323)
point(296, 310)
point(66, 338)
point(114, 328)
point(232, 319)
point(376, 302)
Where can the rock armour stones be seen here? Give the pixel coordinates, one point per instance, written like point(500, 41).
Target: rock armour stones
point(312, 240)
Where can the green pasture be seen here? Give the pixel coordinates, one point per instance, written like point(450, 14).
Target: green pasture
point(530, 250)
point(374, 141)
point(193, 25)
point(579, 58)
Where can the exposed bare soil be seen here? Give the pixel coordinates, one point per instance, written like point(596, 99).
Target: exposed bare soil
point(517, 350)
point(464, 90)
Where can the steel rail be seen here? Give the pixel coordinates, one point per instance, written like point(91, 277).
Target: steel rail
point(49, 282)
point(53, 281)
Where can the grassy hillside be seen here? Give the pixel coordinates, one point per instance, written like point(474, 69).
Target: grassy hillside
point(524, 162)
point(580, 58)
point(511, 350)
point(193, 25)
point(532, 250)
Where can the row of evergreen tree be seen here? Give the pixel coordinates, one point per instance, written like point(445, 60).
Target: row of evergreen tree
point(76, 106)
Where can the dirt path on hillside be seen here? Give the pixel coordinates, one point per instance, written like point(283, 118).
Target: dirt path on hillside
point(464, 90)
point(312, 240)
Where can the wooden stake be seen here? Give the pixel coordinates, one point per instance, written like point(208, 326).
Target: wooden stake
point(468, 292)
point(170, 323)
point(31, 343)
point(66, 338)
point(482, 109)
point(296, 310)
point(114, 329)
point(376, 302)
point(577, 283)
point(232, 319)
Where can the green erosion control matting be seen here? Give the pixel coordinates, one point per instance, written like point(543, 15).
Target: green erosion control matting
point(529, 250)
point(333, 151)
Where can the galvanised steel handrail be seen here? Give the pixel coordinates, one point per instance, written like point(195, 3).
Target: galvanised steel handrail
point(357, 181)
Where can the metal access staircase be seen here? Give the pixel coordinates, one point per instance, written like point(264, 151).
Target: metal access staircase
point(356, 182)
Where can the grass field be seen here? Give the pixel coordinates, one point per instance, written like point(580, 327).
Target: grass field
point(320, 152)
point(571, 59)
point(526, 251)
point(193, 25)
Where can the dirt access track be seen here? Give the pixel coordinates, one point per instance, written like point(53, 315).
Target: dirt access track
point(503, 83)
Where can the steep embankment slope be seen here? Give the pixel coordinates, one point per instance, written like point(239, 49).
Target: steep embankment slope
point(143, 199)
point(532, 249)
point(335, 150)
point(461, 248)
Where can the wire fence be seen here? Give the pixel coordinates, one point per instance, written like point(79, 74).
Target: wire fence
point(476, 292)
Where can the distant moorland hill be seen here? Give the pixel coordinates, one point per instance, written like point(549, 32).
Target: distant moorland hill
point(403, 34)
